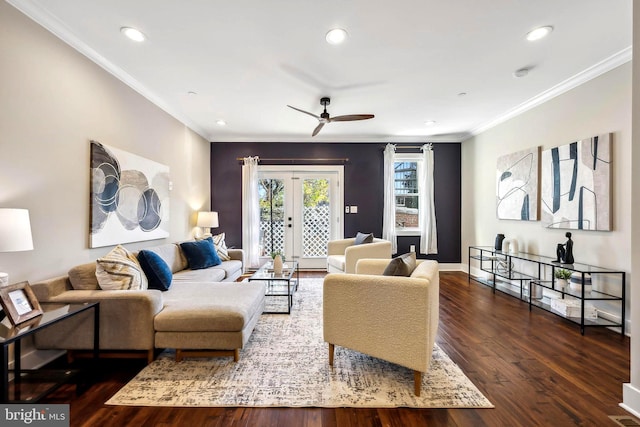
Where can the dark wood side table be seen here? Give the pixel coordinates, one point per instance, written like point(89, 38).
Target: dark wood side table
point(50, 379)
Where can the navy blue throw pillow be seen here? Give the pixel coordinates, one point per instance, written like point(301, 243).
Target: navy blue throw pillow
point(156, 269)
point(200, 254)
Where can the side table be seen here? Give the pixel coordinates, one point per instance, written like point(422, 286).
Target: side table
point(53, 313)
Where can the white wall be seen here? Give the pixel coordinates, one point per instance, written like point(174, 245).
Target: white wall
point(599, 106)
point(53, 101)
point(631, 391)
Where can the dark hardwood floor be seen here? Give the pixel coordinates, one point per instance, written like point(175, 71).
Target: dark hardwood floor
point(534, 367)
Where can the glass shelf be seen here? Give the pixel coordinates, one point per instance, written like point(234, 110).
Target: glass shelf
point(503, 272)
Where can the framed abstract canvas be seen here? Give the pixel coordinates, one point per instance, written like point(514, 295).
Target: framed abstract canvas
point(517, 185)
point(129, 197)
point(576, 185)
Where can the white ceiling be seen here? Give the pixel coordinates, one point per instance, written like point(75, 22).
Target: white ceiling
point(405, 61)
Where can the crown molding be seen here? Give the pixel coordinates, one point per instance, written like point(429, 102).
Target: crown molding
point(50, 22)
point(582, 77)
point(341, 139)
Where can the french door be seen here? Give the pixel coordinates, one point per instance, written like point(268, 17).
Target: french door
point(301, 209)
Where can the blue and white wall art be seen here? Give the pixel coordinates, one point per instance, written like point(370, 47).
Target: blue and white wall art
point(129, 197)
point(517, 185)
point(576, 185)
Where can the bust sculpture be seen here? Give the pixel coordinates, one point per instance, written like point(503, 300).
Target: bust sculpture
point(560, 253)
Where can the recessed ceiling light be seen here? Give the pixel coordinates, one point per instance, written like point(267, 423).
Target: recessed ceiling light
point(462, 94)
point(192, 93)
point(430, 122)
point(221, 122)
point(336, 36)
point(133, 34)
point(538, 33)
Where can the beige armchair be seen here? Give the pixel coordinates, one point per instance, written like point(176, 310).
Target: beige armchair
point(342, 255)
point(389, 317)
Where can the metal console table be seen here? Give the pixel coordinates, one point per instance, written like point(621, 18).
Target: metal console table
point(541, 273)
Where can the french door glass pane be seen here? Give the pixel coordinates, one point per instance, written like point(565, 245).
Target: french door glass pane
point(316, 217)
point(271, 199)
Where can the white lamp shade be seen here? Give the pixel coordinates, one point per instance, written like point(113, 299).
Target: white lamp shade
point(207, 219)
point(15, 230)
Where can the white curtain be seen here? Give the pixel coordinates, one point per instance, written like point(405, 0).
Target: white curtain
point(250, 211)
point(389, 214)
point(426, 204)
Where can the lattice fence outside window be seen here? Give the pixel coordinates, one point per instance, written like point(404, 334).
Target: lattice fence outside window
point(316, 232)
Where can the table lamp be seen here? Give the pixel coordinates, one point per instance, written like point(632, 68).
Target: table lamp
point(15, 234)
point(207, 220)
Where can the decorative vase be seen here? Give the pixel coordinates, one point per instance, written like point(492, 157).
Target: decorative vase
point(575, 282)
point(277, 265)
point(562, 283)
point(499, 239)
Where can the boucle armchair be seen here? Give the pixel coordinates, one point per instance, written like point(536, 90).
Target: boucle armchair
point(342, 254)
point(389, 317)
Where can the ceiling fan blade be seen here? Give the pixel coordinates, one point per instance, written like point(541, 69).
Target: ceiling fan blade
point(306, 112)
point(317, 129)
point(351, 117)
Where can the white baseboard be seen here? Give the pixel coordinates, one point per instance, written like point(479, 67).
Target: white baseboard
point(451, 267)
point(631, 399)
point(36, 359)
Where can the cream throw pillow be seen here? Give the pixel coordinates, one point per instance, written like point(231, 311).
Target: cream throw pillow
point(221, 247)
point(120, 269)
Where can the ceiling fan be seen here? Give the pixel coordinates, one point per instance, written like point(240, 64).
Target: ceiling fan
point(324, 118)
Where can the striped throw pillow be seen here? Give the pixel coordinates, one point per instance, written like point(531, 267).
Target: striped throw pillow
point(221, 247)
point(120, 269)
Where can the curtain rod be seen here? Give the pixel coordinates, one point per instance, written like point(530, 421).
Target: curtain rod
point(410, 147)
point(298, 159)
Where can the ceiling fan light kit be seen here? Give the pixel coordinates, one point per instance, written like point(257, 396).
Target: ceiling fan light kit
point(325, 118)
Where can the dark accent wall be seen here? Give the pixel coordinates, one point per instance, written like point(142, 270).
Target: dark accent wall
point(363, 187)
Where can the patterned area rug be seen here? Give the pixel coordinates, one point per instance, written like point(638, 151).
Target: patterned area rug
point(285, 364)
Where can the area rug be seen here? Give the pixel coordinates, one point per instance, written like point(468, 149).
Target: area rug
point(285, 364)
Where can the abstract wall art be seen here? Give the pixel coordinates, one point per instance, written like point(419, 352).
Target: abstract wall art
point(517, 185)
point(129, 197)
point(576, 185)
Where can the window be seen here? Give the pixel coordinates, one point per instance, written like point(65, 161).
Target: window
point(406, 193)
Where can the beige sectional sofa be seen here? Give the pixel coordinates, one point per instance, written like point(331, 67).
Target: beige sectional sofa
point(203, 312)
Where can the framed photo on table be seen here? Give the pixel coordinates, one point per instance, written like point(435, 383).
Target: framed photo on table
point(19, 303)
